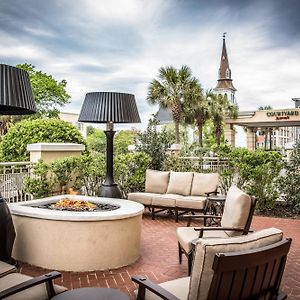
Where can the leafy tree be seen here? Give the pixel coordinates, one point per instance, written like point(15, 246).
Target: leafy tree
point(171, 91)
point(154, 143)
point(196, 111)
point(289, 183)
point(49, 94)
point(122, 140)
point(96, 141)
point(219, 108)
point(90, 130)
point(13, 146)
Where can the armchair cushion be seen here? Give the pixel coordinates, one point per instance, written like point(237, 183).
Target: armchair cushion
point(156, 181)
point(194, 202)
point(206, 249)
point(204, 183)
point(6, 269)
point(143, 198)
point(178, 287)
point(180, 183)
point(167, 200)
point(38, 292)
point(186, 235)
point(236, 210)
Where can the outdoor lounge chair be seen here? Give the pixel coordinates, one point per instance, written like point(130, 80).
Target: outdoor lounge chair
point(243, 267)
point(236, 220)
point(16, 286)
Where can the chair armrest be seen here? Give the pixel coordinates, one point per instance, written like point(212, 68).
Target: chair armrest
point(46, 278)
point(144, 283)
point(201, 229)
point(212, 193)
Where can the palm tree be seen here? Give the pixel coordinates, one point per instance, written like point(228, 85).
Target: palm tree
point(197, 111)
point(219, 108)
point(171, 91)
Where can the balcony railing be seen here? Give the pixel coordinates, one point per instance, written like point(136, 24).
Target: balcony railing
point(208, 164)
point(11, 180)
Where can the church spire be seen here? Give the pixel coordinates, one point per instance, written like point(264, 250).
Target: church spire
point(225, 85)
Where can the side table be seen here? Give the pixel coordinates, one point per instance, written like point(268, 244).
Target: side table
point(215, 207)
point(91, 293)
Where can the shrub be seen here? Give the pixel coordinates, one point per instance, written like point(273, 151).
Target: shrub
point(65, 172)
point(14, 143)
point(130, 171)
point(91, 173)
point(154, 143)
point(40, 183)
point(255, 172)
point(289, 183)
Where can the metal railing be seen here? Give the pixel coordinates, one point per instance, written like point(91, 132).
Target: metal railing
point(11, 180)
point(208, 164)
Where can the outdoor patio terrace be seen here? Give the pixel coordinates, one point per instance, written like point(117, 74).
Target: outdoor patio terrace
point(159, 258)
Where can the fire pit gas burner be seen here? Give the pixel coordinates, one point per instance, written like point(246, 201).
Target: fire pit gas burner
point(78, 205)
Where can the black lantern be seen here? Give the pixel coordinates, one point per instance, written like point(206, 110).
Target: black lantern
point(109, 108)
point(16, 98)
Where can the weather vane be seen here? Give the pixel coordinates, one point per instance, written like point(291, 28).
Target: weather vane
point(224, 34)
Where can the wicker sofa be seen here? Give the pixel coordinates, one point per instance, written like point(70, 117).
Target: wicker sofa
point(176, 191)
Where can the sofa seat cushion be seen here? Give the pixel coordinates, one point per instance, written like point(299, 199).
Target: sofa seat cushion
point(6, 269)
point(167, 200)
point(204, 183)
point(236, 210)
point(206, 249)
point(156, 181)
point(185, 235)
point(178, 287)
point(193, 202)
point(180, 183)
point(143, 198)
point(38, 292)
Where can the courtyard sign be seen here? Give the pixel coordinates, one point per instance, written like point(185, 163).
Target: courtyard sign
point(282, 115)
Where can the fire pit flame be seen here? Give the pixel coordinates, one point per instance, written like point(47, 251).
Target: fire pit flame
point(78, 205)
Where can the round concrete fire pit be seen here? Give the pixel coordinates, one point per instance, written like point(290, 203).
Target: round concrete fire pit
point(77, 241)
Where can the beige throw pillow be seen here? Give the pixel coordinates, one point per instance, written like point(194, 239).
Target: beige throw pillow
point(180, 183)
point(156, 181)
point(204, 183)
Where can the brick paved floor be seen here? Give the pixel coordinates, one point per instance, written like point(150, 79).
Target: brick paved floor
point(159, 260)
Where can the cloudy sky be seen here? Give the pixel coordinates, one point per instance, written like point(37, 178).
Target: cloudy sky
point(119, 45)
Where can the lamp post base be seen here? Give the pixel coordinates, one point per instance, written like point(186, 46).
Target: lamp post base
point(110, 191)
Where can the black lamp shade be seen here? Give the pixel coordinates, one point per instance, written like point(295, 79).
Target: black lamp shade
point(16, 96)
point(104, 107)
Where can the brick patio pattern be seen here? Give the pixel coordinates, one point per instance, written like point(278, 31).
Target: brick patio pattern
point(159, 258)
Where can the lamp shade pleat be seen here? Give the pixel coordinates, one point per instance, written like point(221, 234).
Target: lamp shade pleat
point(16, 96)
point(104, 107)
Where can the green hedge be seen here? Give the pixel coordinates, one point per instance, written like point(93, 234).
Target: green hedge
point(13, 147)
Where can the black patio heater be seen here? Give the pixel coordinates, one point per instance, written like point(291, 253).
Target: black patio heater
point(16, 98)
point(109, 108)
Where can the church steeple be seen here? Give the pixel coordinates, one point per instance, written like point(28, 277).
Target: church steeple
point(225, 86)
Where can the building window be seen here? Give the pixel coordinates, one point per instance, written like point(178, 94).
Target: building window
point(227, 73)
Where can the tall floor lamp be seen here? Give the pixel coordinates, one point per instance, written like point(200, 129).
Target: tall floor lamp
point(16, 98)
point(109, 108)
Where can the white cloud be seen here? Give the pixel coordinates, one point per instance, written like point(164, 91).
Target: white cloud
point(261, 73)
